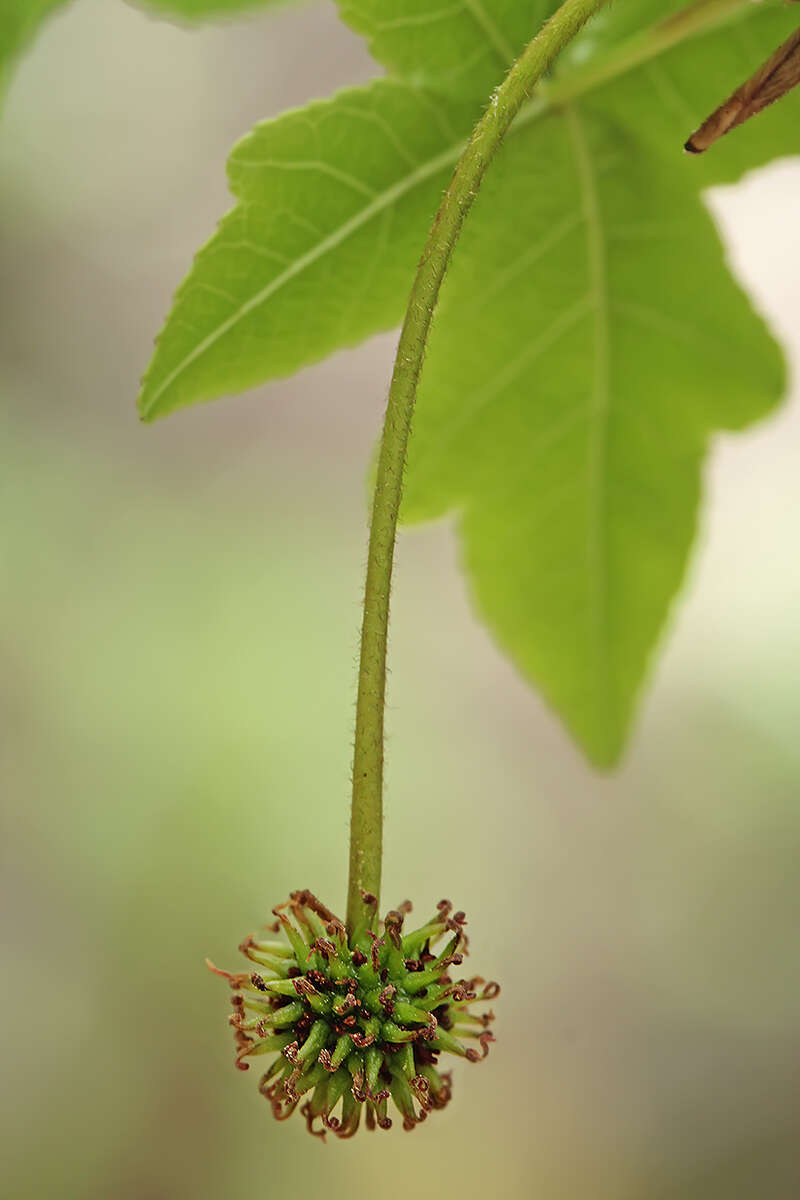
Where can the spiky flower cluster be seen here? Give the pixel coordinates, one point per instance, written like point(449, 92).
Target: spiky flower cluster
point(356, 1022)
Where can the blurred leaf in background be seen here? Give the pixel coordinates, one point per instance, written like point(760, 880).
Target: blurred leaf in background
point(19, 21)
point(205, 8)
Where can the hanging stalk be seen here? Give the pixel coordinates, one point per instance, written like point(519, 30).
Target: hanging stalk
point(366, 822)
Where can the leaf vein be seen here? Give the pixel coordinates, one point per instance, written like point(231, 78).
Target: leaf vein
point(311, 164)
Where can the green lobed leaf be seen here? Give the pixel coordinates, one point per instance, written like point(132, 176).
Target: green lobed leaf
point(589, 341)
point(333, 204)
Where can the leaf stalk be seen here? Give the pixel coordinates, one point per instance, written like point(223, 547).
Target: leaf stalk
point(366, 822)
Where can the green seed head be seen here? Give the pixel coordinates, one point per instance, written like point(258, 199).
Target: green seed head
point(357, 1022)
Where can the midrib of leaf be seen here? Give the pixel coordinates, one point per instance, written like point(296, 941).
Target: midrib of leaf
point(481, 17)
point(599, 415)
point(569, 88)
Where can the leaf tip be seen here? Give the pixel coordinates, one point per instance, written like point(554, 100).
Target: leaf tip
point(144, 405)
point(602, 739)
point(605, 757)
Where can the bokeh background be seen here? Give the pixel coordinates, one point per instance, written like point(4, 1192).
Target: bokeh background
point(180, 609)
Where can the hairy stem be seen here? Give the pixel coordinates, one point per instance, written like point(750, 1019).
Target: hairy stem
point(366, 824)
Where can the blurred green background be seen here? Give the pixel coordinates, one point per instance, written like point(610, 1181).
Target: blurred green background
point(178, 643)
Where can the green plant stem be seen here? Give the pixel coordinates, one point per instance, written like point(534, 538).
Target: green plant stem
point(366, 824)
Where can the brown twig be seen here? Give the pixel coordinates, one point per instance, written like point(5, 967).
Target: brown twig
point(773, 79)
